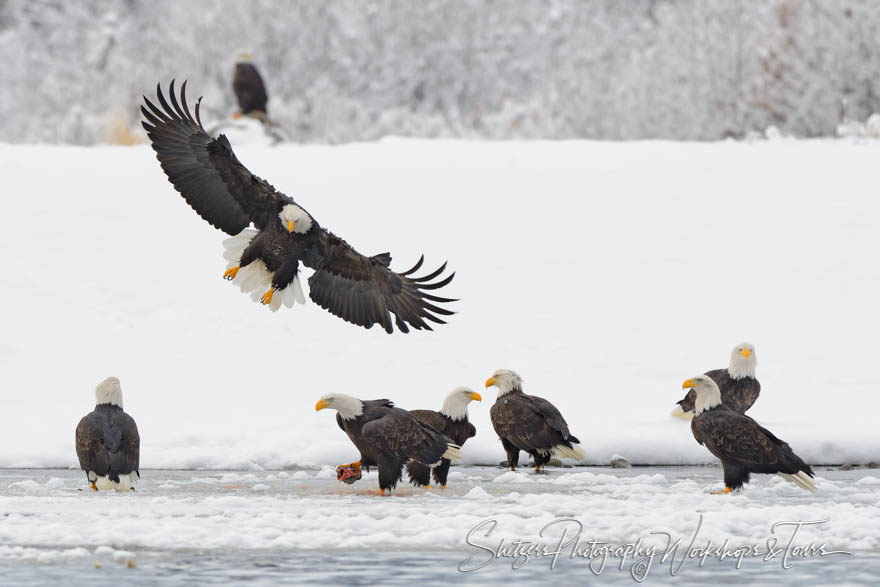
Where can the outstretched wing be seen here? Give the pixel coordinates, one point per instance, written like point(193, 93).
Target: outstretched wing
point(364, 291)
point(205, 170)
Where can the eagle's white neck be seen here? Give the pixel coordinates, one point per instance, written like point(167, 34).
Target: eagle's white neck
point(708, 396)
point(348, 407)
point(741, 367)
point(109, 391)
point(508, 382)
point(455, 405)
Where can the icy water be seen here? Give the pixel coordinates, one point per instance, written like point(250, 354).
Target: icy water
point(303, 527)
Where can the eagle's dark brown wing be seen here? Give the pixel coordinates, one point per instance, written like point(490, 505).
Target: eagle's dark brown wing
point(402, 435)
point(431, 418)
point(205, 170)
point(737, 438)
point(365, 291)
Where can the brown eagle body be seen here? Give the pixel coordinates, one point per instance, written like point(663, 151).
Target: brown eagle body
point(250, 91)
point(457, 430)
point(388, 437)
point(743, 446)
point(359, 289)
point(531, 424)
point(738, 394)
point(108, 444)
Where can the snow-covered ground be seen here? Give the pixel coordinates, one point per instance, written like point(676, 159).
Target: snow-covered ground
point(605, 273)
point(252, 522)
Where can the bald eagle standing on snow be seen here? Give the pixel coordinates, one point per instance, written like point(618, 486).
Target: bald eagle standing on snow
point(387, 437)
point(360, 290)
point(107, 441)
point(742, 445)
point(250, 91)
point(738, 385)
point(529, 423)
point(451, 420)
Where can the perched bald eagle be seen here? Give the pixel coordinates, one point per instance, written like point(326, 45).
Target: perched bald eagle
point(739, 388)
point(451, 420)
point(247, 83)
point(360, 290)
point(742, 445)
point(387, 437)
point(529, 423)
point(107, 441)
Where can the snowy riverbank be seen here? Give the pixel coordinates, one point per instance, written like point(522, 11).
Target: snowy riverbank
point(605, 273)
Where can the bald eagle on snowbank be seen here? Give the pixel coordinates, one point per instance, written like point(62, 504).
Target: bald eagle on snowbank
point(738, 385)
point(107, 441)
point(360, 290)
point(742, 445)
point(387, 437)
point(250, 91)
point(529, 423)
point(451, 420)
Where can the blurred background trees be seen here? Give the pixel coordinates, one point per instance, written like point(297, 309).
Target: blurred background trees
point(349, 70)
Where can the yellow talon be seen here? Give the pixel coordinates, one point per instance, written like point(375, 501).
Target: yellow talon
point(267, 297)
point(230, 273)
point(93, 486)
point(726, 490)
point(442, 487)
point(427, 487)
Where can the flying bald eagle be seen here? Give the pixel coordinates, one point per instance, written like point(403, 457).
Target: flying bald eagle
point(742, 445)
point(360, 290)
point(387, 437)
point(451, 420)
point(739, 388)
point(107, 441)
point(529, 423)
point(247, 83)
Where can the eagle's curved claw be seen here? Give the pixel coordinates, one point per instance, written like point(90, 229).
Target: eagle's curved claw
point(230, 273)
point(267, 297)
point(726, 490)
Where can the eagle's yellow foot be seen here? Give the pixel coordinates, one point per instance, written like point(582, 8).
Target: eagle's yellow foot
point(267, 297)
point(726, 490)
point(236, 116)
point(512, 468)
point(427, 487)
point(379, 492)
point(537, 469)
point(93, 486)
point(442, 487)
point(230, 273)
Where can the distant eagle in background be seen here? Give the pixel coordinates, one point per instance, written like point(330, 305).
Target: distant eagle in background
point(739, 387)
point(740, 443)
point(451, 420)
point(107, 441)
point(387, 437)
point(529, 423)
point(265, 261)
point(250, 91)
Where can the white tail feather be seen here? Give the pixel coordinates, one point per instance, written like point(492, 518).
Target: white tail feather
point(563, 452)
point(801, 480)
point(453, 452)
point(255, 278)
point(677, 412)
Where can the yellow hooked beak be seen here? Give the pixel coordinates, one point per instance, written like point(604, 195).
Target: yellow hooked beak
point(688, 383)
point(290, 226)
point(321, 405)
point(490, 382)
point(745, 352)
point(475, 396)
